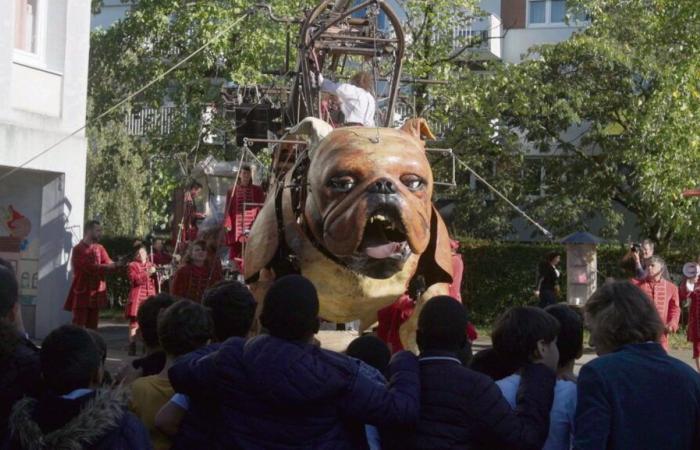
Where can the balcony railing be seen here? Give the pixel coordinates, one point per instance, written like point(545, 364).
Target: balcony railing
point(148, 120)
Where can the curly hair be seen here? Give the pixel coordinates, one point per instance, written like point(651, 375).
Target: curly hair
point(619, 313)
point(183, 327)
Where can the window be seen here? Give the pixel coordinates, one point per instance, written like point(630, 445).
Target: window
point(538, 11)
point(547, 12)
point(29, 30)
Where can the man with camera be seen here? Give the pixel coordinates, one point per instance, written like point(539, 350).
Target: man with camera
point(642, 254)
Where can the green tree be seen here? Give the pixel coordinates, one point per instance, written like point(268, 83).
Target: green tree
point(618, 105)
point(155, 35)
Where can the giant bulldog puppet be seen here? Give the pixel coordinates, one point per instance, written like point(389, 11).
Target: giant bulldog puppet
point(355, 217)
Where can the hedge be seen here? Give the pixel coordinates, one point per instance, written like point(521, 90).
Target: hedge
point(498, 275)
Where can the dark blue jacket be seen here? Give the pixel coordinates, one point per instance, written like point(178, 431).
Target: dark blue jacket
point(97, 421)
point(638, 398)
point(464, 409)
point(277, 394)
point(20, 373)
point(202, 418)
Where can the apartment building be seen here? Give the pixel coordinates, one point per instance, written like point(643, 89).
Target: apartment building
point(43, 81)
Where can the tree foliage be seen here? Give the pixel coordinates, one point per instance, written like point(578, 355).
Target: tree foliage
point(154, 36)
point(617, 107)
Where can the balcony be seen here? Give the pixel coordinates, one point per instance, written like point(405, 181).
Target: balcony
point(482, 37)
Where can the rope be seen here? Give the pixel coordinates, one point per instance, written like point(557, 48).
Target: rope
point(130, 96)
point(544, 231)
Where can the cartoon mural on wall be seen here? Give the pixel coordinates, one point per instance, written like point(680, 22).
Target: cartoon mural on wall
point(15, 223)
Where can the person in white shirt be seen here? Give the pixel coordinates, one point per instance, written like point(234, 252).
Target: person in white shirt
point(523, 333)
point(356, 102)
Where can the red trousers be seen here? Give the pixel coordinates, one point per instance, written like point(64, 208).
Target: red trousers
point(86, 317)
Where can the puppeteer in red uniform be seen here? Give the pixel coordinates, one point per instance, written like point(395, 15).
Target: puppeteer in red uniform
point(140, 272)
point(197, 273)
point(243, 203)
point(88, 291)
point(187, 217)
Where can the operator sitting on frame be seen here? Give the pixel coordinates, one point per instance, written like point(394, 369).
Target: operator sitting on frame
point(356, 102)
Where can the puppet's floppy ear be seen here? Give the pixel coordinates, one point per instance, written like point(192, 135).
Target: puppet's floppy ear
point(313, 128)
point(435, 264)
point(418, 128)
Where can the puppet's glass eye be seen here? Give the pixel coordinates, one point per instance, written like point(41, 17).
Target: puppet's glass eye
point(413, 182)
point(341, 184)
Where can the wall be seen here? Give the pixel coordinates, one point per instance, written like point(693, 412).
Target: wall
point(44, 102)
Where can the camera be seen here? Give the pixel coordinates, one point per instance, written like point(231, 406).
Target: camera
point(636, 247)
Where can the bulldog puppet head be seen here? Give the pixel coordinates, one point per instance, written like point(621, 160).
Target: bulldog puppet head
point(357, 219)
point(369, 197)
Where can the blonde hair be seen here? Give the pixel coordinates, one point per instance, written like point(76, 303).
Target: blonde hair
point(619, 313)
point(362, 80)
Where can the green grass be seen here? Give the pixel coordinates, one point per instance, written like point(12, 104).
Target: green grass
point(676, 341)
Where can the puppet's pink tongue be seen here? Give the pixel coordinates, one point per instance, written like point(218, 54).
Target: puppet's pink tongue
point(383, 251)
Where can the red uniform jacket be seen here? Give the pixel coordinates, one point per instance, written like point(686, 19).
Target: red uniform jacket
point(88, 289)
point(161, 258)
point(142, 286)
point(236, 218)
point(664, 296)
point(191, 281)
point(694, 315)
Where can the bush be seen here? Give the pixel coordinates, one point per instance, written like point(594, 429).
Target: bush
point(498, 275)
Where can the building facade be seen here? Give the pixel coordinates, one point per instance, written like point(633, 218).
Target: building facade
point(43, 87)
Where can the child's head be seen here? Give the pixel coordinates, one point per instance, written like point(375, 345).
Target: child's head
point(232, 308)
point(442, 325)
point(184, 327)
point(70, 360)
point(525, 334)
point(570, 338)
point(370, 350)
point(290, 310)
point(147, 318)
point(619, 313)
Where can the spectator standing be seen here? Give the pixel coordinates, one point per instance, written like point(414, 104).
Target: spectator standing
point(192, 421)
point(74, 413)
point(663, 295)
point(184, 327)
point(280, 391)
point(461, 408)
point(523, 333)
point(547, 289)
point(20, 373)
point(374, 356)
point(634, 395)
point(570, 339)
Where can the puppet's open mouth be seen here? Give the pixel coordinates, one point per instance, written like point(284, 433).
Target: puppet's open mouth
point(384, 236)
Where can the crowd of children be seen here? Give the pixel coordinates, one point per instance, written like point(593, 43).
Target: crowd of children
point(210, 380)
